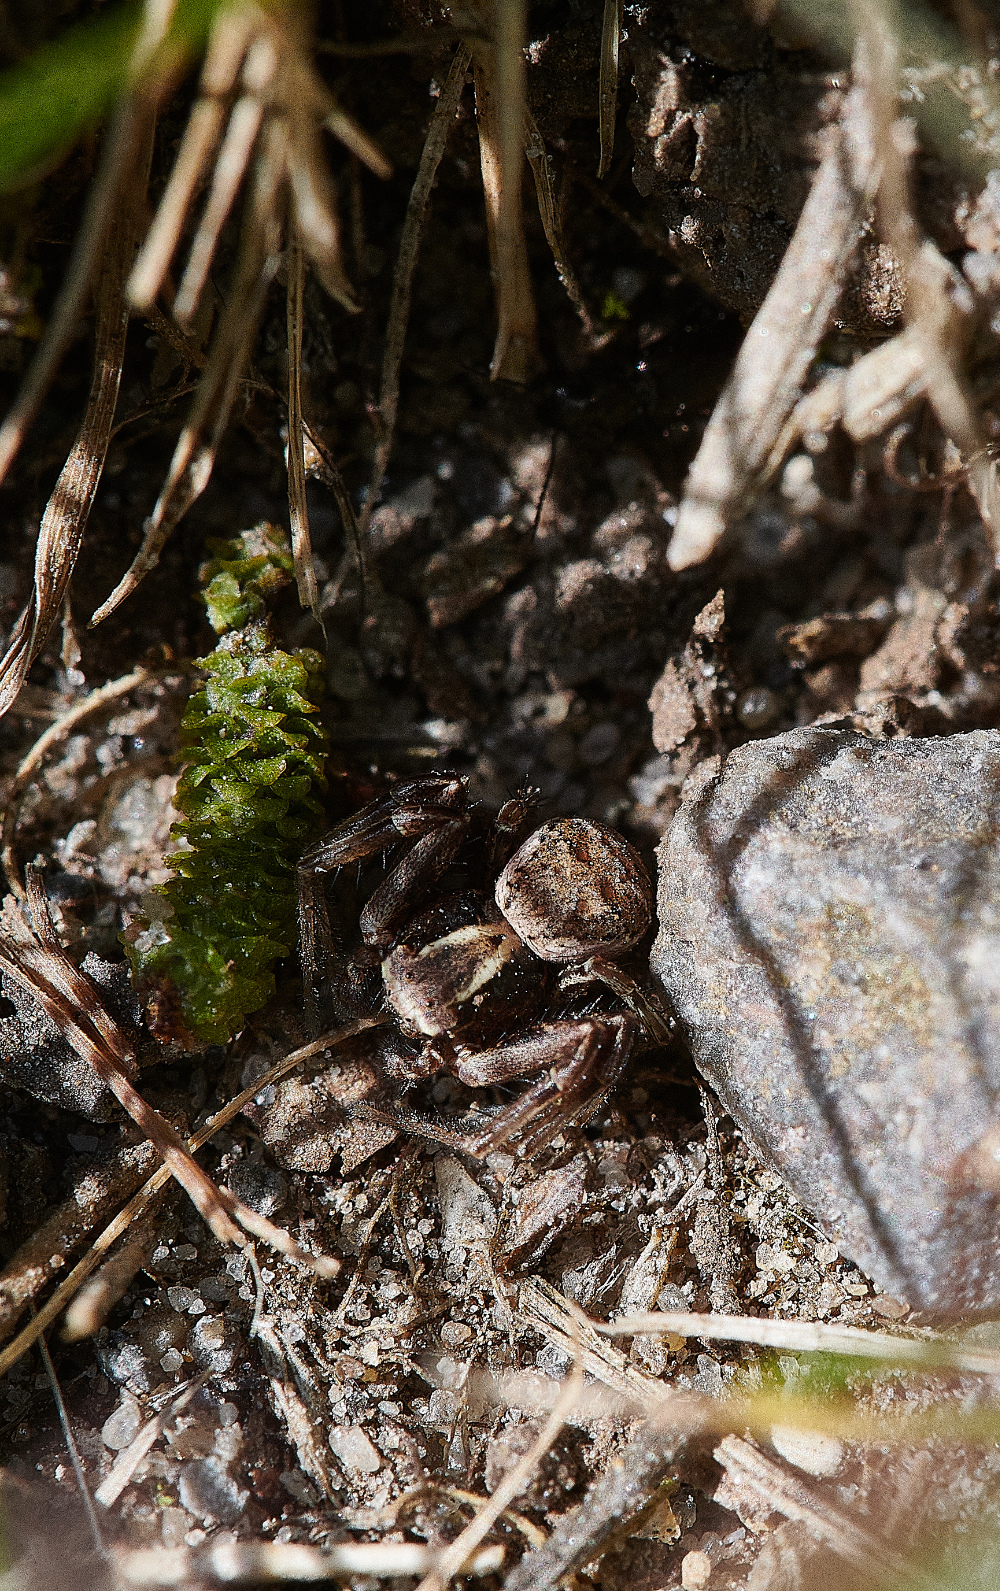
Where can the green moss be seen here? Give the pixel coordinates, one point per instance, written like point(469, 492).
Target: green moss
point(250, 789)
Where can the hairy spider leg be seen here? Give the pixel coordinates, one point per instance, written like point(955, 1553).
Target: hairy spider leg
point(508, 824)
point(430, 810)
point(659, 1029)
point(581, 1061)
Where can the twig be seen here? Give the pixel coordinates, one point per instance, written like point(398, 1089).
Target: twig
point(251, 1562)
point(608, 92)
point(138, 1205)
point(31, 763)
point(298, 508)
point(619, 1494)
point(60, 533)
point(738, 447)
point(414, 225)
point(790, 1495)
point(545, 1310)
point(516, 1479)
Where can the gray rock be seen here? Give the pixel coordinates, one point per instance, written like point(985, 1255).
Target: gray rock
point(830, 939)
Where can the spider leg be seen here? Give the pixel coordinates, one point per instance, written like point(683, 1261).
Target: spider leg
point(659, 1028)
point(430, 811)
point(508, 824)
point(580, 1062)
point(393, 901)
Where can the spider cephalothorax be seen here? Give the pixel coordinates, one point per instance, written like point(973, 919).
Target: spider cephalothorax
point(470, 974)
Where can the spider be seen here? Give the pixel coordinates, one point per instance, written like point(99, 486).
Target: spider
point(469, 975)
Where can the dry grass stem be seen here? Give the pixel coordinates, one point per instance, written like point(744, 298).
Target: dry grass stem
point(124, 152)
point(737, 449)
point(270, 1562)
point(935, 295)
point(608, 86)
point(414, 225)
point(499, 82)
point(32, 762)
point(809, 1336)
point(454, 1558)
point(139, 1205)
point(99, 1294)
point(548, 209)
point(274, 134)
point(330, 473)
point(230, 167)
point(227, 47)
point(354, 138)
point(194, 456)
point(298, 508)
point(63, 523)
point(39, 965)
point(789, 1494)
point(98, 1192)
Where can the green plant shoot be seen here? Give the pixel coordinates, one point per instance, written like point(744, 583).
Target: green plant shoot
point(250, 795)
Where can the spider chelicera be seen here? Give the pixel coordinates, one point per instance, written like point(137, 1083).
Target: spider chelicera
point(469, 974)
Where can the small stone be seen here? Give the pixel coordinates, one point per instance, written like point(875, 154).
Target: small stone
point(757, 708)
point(208, 1492)
point(890, 1308)
point(209, 1344)
point(120, 1427)
point(454, 1333)
point(829, 938)
point(183, 1299)
point(808, 1450)
point(696, 1570)
point(354, 1450)
point(467, 1214)
point(172, 1361)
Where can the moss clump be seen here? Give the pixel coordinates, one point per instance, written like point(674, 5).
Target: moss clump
point(250, 794)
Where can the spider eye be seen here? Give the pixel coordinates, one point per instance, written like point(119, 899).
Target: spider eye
point(576, 889)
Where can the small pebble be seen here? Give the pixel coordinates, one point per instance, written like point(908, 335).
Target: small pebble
point(757, 708)
point(890, 1308)
point(696, 1570)
point(354, 1450)
point(454, 1333)
point(121, 1426)
point(206, 1490)
point(807, 1450)
point(182, 1298)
